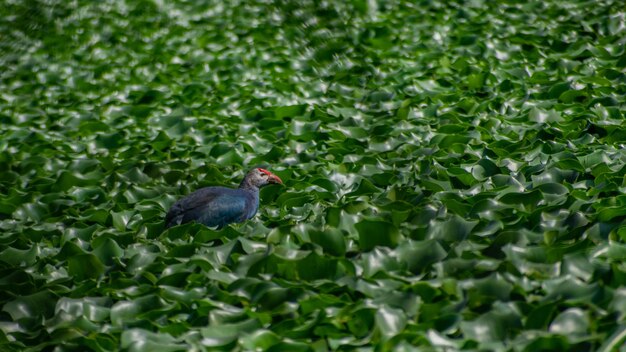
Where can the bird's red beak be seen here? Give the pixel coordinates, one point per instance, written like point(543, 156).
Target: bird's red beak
point(274, 179)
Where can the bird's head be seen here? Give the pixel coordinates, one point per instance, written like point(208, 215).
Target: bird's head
point(259, 177)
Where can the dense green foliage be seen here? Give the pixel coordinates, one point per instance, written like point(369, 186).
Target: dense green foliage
point(454, 175)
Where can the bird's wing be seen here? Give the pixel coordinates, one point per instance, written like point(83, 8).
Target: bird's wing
point(212, 206)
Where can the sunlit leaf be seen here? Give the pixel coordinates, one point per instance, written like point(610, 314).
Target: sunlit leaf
point(140, 340)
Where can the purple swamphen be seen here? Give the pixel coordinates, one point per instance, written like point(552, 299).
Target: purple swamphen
point(220, 206)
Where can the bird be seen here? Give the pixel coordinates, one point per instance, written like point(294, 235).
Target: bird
point(219, 206)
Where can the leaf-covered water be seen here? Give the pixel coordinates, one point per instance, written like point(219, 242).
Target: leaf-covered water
point(454, 175)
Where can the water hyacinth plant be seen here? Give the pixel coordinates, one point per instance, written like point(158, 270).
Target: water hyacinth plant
point(454, 175)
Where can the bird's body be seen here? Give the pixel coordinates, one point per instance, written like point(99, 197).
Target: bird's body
point(220, 206)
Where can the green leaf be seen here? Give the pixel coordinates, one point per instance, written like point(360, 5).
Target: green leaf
point(374, 233)
point(121, 219)
point(362, 321)
point(390, 321)
point(540, 316)
point(615, 340)
point(290, 347)
point(418, 256)
point(40, 304)
point(126, 312)
point(609, 213)
point(106, 249)
point(548, 343)
point(495, 325)
point(17, 257)
point(289, 111)
point(85, 266)
point(529, 200)
point(558, 89)
point(331, 240)
point(315, 267)
point(454, 175)
point(260, 339)
point(225, 334)
point(451, 230)
point(139, 340)
point(364, 187)
point(572, 323)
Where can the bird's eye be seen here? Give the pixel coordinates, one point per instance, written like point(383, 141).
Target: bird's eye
point(264, 173)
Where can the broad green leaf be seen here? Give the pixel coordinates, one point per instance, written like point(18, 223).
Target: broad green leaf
point(614, 340)
point(451, 230)
point(495, 325)
point(139, 340)
point(374, 233)
point(572, 323)
point(85, 266)
point(419, 255)
point(34, 306)
point(260, 339)
point(540, 316)
point(107, 249)
point(121, 219)
point(390, 321)
point(19, 257)
point(331, 240)
point(226, 334)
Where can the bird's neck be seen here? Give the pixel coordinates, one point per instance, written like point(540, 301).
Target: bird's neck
point(247, 186)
